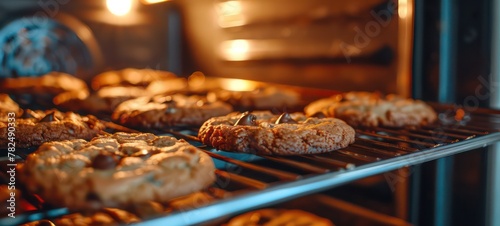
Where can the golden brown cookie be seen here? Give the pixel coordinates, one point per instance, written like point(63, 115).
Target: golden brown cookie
point(261, 98)
point(51, 83)
point(33, 128)
point(262, 132)
point(104, 217)
point(129, 77)
point(373, 109)
point(116, 170)
point(105, 100)
point(163, 111)
point(276, 217)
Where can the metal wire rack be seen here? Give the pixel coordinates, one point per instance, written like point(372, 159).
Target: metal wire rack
point(246, 181)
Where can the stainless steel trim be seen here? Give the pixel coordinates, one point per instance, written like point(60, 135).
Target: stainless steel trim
point(493, 186)
point(493, 173)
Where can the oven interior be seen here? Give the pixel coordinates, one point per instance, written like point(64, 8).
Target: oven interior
point(436, 51)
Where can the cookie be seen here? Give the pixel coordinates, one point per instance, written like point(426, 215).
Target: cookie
point(104, 217)
point(33, 128)
point(11, 202)
point(115, 170)
point(264, 133)
point(105, 100)
point(163, 111)
point(373, 109)
point(129, 77)
point(8, 105)
point(261, 98)
point(275, 217)
point(167, 86)
point(52, 83)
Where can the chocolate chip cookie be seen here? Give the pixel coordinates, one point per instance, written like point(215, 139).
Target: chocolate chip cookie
point(261, 98)
point(163, 111)
point(129, 77)
point(33, 128)
point(374, 109)
point(262, 132)
point(275, 217)
point(104, 217)
point(116, 170)
point(105, 100)
point(52, 83)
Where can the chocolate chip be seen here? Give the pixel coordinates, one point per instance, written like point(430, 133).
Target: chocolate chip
point(285, 118)
point(263, 220)
point(154, 152)
point(319, 114)
point(104, 162)
point(163, 99)
point(91, 196)
point(247, 119)
point(27, 114)
point(50, 117)
point(259, 219)
point(341, 98)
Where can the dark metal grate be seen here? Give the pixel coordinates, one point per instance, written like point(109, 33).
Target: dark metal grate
point(246, 181)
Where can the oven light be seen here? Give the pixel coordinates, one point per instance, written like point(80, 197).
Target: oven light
point(235, 49)
point(119, 7)
point(402, 9)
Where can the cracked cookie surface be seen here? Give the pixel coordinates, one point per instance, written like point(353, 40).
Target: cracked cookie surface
point(262, 132)
point(373, 109)
point(33, 128)
point(116, 170)
point(276, 217)
point(163, 111)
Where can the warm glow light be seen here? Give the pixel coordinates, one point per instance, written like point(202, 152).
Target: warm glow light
point(402, 9)
point(235, 49)
point(238, 85)
point(119, 7)
point(152, 1)
point(230, 14)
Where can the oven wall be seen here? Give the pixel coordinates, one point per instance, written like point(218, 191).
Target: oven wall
point(316, 47)
point(358, 50)
point(140, 39)
point(452, 65)
point(149, 41)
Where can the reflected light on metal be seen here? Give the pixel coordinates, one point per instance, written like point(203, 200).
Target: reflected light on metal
point(238, 85)
point(402, 9)
point(119, 7)
point(230, 14)
point(235, 49)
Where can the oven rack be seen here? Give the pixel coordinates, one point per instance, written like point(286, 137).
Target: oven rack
point(249, 181)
